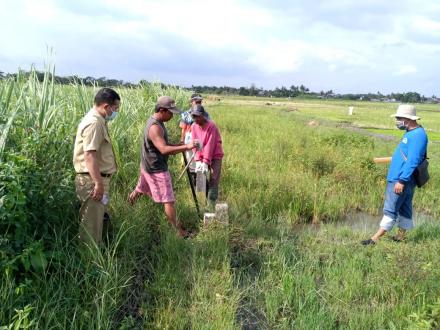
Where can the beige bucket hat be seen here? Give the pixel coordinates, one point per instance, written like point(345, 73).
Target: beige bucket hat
point(406, 111)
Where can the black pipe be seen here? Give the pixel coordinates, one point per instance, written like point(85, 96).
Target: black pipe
point(191, 183)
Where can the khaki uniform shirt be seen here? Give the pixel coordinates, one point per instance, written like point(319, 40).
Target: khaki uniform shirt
point(93, 134)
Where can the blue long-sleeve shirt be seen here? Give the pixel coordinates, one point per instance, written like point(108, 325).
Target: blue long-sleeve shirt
point(413, 147)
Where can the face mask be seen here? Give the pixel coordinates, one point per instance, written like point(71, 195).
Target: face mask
point(112, 116)
point(400, 124)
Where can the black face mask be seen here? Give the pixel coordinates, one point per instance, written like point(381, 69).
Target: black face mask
point(400, 124)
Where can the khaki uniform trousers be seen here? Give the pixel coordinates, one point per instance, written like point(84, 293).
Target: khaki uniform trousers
point(92, 212)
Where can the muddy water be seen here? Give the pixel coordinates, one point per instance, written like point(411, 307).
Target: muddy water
point(362, 221)
point(365, 222)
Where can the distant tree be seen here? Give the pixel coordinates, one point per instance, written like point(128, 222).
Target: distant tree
point(101, 81)
point(411, 97)
point(397, 96)
point(253, 90)
point(89, 80)
point(243, 91)
point(293, 91)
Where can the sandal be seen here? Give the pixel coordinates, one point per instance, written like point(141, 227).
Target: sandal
point(189, 234)
point(368, 242)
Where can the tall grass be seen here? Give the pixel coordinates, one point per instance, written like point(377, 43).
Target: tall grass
point(286, 171)
point(45, 281)
point(263, 271)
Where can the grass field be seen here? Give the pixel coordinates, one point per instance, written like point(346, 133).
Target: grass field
point(287, 163)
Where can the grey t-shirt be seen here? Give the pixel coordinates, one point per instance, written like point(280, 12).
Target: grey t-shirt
point(152, 160)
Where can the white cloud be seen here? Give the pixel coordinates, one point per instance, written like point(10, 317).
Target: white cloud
point(276, 56)
point(352, 56)
point(206, 23)
point(406, 70)
point(426, 25)
point(41, 12)
point(256, 41)
point(332, 67)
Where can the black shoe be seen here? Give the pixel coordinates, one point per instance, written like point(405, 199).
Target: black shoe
point(396, 239)
point(368, 242)
point(190, 234)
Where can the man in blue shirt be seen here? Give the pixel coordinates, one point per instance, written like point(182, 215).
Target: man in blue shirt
point(186, 120)
point(409, 154)
point(185, 124)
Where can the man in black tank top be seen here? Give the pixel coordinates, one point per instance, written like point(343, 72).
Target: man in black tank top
point(155, 179)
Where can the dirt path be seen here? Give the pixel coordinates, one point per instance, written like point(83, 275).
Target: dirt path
point(363, 131)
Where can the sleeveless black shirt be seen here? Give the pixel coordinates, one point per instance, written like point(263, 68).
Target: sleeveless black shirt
point(152, 160)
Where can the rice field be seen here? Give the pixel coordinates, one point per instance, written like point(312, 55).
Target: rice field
point(295, 175)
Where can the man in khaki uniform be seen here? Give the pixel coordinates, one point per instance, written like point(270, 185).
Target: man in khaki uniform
point(94, 163)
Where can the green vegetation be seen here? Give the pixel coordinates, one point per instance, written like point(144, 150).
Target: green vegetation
point(300, 91)
point(287, 164)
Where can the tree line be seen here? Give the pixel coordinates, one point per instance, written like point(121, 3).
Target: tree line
point(304, 92)
point(291, 92)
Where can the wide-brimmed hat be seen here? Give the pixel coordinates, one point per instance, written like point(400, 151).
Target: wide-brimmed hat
point(406, 111)
point(167, 102)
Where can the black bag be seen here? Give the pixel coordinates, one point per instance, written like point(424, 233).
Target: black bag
point(421, 174)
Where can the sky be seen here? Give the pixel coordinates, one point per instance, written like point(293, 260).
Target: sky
point(340, 45)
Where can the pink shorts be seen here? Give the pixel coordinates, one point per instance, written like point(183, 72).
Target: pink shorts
point(156, 185)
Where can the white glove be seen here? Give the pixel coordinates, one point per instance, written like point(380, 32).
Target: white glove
point(201, 167)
